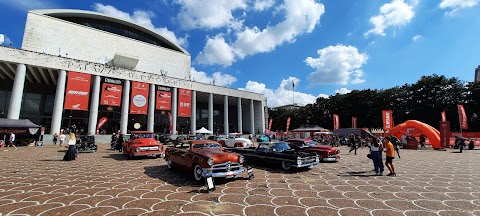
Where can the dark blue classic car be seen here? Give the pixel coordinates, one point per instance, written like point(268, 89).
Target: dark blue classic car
point(277, 154)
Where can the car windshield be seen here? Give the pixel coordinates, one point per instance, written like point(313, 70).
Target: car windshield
point(136, 136)
point(281, 146)
point(207, 145)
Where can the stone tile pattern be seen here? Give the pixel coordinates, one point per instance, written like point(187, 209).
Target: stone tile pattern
point(35, 181)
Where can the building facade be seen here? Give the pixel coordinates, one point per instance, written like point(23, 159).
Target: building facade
point(81, 68)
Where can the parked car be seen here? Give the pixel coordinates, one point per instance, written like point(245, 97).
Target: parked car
point(235, 140)
point(326, 153)
point(204, 158)
point(196, 137)
point(164, 138)
point(86, 144)
point(263, 138)
point(278, 154)
point(142, 143)
point(217, 137)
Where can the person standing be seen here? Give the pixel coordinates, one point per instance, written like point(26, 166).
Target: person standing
point(71, 152)
point(62, 138)
point(11, 141)
point(394, 141)
point(353, 144)
point(390, 153)
point(120, 142)
point(423, 139)
point(376, 154)
point(55, 138)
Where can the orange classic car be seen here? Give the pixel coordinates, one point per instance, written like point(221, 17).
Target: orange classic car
point(143, 143)
point(205, 158)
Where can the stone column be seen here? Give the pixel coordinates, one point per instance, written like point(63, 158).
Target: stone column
point(58, 103)
point(151, 108)
point(93, 118)
point(239, 115)
point(210, 112)
point(17, 92)
point(193, 118)
point(225, 116)
point(174, 111)
point(252, 117)
point(125, 106)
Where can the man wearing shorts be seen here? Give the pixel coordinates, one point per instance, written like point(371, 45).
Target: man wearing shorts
point(390, 153)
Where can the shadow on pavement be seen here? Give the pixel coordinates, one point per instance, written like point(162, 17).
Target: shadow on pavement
point(356, 174)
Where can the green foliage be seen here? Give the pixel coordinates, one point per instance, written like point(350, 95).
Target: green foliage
point(423, 101)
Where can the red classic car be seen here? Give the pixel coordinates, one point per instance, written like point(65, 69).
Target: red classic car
point(143, 143)
point(204, 158)
point(326, 153)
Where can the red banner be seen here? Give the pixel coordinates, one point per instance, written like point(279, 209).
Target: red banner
point(387, 119)
point(336, 122)
point(288, 123)
point(139, 98)
point(444, 116)
point(354, 122)
point(462, 117)
point(184, 102)
point(445, 134)
point(111, 95)
point(78, 91)
point(164, 100)
point(101, 122)
point(270, 125)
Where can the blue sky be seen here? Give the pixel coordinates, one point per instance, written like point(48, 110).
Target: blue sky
point(324, 47)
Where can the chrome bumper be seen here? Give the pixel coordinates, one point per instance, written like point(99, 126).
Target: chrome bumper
point(156, 154)
point(331, 159)
point(208, 173)
point(306, 165)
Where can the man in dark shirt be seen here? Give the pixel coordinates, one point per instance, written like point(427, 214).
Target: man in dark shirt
point(353, 144)
point(394, 141)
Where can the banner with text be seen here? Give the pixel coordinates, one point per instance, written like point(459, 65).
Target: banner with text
point(111, 92)
point(77, 91)
point(354, 122)
point(462, 117)
point(387, 119)
point(336, 122)
point(444, 116)
point(184, 102)
point(139, 98)
point(164, 100)
point(445, 134)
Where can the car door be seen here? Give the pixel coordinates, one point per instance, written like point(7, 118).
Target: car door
point(262, 153)
point(182, 152)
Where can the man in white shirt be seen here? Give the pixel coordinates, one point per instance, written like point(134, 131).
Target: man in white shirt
point(62, 138)
point(11, 141)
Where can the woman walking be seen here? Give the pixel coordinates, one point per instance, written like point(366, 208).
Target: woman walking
point(71, 152)
point(376, 149)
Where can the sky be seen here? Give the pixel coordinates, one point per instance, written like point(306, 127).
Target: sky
point(294, 51)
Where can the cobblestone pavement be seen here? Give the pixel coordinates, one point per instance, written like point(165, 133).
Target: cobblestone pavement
point(35, 181)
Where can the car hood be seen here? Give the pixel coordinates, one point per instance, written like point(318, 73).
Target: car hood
point(294, 152)
point(218, 155)
point(144, 142)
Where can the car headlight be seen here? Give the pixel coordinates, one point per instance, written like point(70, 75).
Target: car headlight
point(299, 161)
point(210, 161)
point(241, 159)
point(138, 149)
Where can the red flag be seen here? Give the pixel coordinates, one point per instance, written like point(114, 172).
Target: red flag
point(387, 119)
point(462, 117)
point(101, 122)
point(78, 91)
point(288, 123)
point(270, 125)
point(336, 122)
point(444, 116)
point(170, 121)
point(354, 122)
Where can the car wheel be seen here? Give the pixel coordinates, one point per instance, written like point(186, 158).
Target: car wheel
point(169, 163)
point(286, 165)
point(197, 172)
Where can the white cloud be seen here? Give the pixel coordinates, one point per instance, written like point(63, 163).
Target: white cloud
point(283, 95)
point(142, 18)
point(261, 5)
point(342, 91)
point(338, 64)
point(301, 16)
point(394, 14)
point(208, 14)
point(217, 78)
point(26, 5)
point(456, 5)
point(323, 96)
point(216, 51)
point(416, 38)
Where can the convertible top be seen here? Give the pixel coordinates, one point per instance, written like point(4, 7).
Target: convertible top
point(17, 123)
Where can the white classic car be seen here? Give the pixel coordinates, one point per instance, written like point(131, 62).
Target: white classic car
point(235, 140)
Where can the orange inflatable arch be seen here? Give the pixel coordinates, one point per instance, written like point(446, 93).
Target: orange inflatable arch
point(430, 132)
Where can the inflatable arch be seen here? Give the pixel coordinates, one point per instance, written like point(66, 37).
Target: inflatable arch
point(430, 132)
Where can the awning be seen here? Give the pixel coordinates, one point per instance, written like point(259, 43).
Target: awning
point(17, 123)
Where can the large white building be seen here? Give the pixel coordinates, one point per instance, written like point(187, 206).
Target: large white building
point(77, 67)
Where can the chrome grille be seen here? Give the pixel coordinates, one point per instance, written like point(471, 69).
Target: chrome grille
point(308, 160)
point(226, 167)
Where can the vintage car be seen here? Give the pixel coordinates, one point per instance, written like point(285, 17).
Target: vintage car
point(326, 153)
point(204, 158)
point(86, 144)
point(143, 143)
point(278, 153)
point(235, 140)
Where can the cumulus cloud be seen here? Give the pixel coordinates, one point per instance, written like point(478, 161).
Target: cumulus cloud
point(260, 5)
point(342, 91)
point(394, 14)
point(216, 51)
point(142, 18)
point(283, 95)
point(208, 14)
point(301, 16)
point(217, 78)
point(416, 38)
point(338, 64)
point(26, 5)
point(455, 5)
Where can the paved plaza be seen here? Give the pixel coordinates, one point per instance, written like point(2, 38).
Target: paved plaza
point(35, 181)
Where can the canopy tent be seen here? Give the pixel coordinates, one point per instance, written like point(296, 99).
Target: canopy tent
point(310, 128)
point(17, 123)
point(203, 131)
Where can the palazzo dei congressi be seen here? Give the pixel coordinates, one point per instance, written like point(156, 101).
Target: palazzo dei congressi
point(79, 67)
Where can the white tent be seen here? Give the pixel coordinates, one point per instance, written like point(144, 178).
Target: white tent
point(203, 131)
